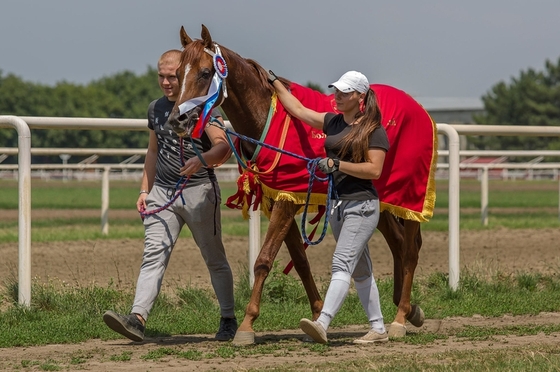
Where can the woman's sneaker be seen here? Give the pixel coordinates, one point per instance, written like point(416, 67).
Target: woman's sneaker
point(127, 325)
point(314, 330)
point(372, 337)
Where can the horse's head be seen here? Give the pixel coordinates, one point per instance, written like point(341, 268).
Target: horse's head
point(200, 74)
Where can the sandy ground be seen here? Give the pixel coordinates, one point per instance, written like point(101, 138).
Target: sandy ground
point(102, 261)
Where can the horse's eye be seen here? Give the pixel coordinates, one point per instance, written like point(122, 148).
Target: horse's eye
point(205, 74)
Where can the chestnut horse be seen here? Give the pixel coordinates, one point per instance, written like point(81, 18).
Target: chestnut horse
point(245, 98)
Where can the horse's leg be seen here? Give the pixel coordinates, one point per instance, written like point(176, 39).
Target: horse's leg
point(404, 240)
point(413, 241)
point(282, 214)
point(393, 232)
point(294, 243)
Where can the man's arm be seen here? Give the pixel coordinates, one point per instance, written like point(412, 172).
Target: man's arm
point(217, 155)
point(149, 174)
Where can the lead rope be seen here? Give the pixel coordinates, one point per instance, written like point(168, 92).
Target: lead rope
point(311, 168)
point(179, 186)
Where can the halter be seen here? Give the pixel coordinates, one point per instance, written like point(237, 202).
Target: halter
point(209, 100)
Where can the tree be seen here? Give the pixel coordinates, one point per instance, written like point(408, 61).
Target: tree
point(533, 98)
point(123, 95)
point(315, 86)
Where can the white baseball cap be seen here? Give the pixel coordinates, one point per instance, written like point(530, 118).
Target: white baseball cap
point(351, 81)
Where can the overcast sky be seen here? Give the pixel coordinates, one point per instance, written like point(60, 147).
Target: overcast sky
point(429, 48)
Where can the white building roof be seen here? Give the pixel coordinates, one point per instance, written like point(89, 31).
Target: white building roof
point(450, 103)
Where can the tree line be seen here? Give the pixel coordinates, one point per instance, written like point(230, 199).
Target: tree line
point(532, 98)
point(122, 95)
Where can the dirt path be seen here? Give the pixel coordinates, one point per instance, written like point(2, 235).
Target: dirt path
point(102, 261)
point(287, 348)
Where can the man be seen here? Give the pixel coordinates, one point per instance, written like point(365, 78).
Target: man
point(198, 208)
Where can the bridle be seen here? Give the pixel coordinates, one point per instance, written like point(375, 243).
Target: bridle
point(217, 86)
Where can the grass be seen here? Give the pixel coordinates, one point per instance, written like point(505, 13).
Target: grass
point(73, 313)
point(513, 204)
point(62, 314)
point(79, 194)
point(123, 194)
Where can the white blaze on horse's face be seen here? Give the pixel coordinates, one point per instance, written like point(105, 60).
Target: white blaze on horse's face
point(184, 83)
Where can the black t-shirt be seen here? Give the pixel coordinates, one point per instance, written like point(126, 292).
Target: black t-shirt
point(349, 187)
point(168, 161)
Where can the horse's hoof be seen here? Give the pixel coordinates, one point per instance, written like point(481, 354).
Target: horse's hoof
point(244, 338)
point(397, 330)
point(416, 316)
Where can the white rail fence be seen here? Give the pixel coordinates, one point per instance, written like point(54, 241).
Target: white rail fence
point(24, 151)
point(229, 172)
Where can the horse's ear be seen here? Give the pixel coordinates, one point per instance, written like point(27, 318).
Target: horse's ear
point(185, 39)
point(206, 38)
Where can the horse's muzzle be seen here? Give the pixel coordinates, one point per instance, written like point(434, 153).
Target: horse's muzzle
point(184, 124)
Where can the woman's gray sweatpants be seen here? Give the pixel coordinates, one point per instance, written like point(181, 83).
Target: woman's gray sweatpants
point(357, 223)
point(201, 214)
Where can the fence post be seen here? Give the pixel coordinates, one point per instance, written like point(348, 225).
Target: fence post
point(105, 201)
point(484, 196)
point(24, 205)
point(454, 203)
point(254, 242)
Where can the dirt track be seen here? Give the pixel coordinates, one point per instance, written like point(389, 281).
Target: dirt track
point(101, 261)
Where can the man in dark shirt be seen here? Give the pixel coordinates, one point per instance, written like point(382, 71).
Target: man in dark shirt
point(198, 207)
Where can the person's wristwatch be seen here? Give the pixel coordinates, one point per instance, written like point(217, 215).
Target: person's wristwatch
point(143, 192)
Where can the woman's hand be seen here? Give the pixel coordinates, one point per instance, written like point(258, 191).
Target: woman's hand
point(328, 165)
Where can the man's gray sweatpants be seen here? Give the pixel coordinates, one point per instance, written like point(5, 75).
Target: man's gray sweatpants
point(201, 214)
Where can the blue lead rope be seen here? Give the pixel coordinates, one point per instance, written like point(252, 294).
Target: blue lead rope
point(311, 168)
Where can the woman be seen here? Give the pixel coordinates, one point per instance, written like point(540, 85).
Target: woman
point(356, 145)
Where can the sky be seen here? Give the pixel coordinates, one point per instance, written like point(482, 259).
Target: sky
point(428, 48)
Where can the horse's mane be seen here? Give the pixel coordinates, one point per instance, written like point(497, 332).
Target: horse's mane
point(263, 75)
point(195, 51)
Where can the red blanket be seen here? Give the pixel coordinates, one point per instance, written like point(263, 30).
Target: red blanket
point(406, 186)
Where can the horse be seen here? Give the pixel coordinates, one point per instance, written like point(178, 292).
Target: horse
point(245, 97)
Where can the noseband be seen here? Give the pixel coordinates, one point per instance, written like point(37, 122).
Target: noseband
point(217, 85)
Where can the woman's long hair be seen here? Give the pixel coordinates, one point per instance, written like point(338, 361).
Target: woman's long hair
point(357, 141)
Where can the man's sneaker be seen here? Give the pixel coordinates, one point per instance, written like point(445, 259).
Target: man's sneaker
point(127, 325)
point(314, 330)
point(372, 337)
point(228, 327)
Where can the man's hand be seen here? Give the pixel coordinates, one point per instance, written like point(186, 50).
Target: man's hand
point(141, 202)
point(328, 165)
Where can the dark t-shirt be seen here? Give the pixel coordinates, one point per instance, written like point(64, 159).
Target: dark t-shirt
point(349, 187)
point(168, 161)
